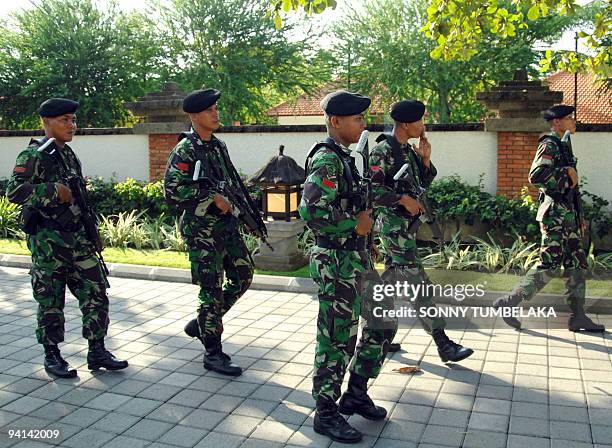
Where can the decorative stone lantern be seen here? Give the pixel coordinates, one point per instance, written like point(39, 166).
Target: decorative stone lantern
point(281, 182)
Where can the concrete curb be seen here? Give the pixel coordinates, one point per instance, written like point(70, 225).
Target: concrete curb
point(300, 285)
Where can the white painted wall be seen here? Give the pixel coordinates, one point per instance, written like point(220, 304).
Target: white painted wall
point(468, 154)
point(465, 153)
point(594, 153)
point(101, 155)
point(305, 119)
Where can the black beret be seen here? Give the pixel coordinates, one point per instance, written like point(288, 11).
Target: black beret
point(200, 100)
point(407, 111)
point(558, 111)
point(344, 103)
point(55, 107)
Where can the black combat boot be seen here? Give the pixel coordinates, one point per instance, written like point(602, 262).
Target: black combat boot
point(217, 361)
point(509, 302)
point(55, 364)
point(192, 329)
point(329, 422)
point(394, 347)
point(579, 321)
point(449, 350)
point(356, 400)
point(98, 357)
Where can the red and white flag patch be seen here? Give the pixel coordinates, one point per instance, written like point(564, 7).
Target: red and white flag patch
point(328, 183)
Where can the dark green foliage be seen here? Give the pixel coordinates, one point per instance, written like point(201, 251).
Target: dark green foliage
point(112, 198)
point(234, 46)
point(74, 49)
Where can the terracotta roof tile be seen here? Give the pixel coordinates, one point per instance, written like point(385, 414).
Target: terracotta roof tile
point(309, 104)
point(594, 102)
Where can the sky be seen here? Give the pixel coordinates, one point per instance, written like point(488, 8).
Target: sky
point(6, 7)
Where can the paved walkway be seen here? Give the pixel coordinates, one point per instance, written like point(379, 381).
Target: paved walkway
point(518, 390)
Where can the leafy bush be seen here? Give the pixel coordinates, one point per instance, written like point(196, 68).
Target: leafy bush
point(111, 197)
point(9, 219)
point(490, 256)
point(453, 199)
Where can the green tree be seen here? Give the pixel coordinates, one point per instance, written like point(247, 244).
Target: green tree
point(71, 48)
point(234, 46)
point(459, 27)
point(383, 52)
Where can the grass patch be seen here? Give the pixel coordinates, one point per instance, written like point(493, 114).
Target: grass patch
point(147, 257)
point(170, 259)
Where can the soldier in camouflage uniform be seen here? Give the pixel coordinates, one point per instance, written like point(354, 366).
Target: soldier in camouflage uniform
point(331, 207)
point(62, 255)
point(208, 226)
point(553, 171)
point(397, 212)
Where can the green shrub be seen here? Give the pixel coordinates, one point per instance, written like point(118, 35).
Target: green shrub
point(112, 197)
point(453, 199)
point(9, 219)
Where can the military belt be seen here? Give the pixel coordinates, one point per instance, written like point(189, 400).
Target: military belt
point(557, 197)
point(355, 243)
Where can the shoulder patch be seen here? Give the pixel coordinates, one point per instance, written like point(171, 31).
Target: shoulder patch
point(329, 184)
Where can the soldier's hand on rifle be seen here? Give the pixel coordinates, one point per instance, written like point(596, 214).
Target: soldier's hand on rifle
point(571, 172)
point(222, 204)
point(364, 223)
point(63, 194)
point(413, 206)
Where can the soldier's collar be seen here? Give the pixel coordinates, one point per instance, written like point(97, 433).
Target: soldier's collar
point(201, 141)
point(340, 145)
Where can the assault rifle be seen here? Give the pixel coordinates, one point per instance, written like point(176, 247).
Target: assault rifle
point(243, 207)
point(573, 195)
point(88, 216)
point(366, 179)
point(407, 185)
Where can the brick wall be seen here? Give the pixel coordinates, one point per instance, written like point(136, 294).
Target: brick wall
point(160, 146)
point(515, 152)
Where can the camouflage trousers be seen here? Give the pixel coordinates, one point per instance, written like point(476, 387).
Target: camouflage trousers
point(61, 259)
point(402, 264)
point(561, 246)
point(216, 254)
point(341, 276)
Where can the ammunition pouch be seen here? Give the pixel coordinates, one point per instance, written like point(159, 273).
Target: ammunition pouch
point(29, 220)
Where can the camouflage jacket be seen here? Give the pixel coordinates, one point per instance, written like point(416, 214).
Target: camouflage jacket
point(195, 198)
point(35, 178)
point(321, 205)
point(36, 175)
point(382, 164)
point(549, 168)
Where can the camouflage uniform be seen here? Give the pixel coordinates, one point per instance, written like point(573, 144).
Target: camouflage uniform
point(215, 244)
point(401, 260)
point(561, 243)
point(60, 257)
point(340, 275)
